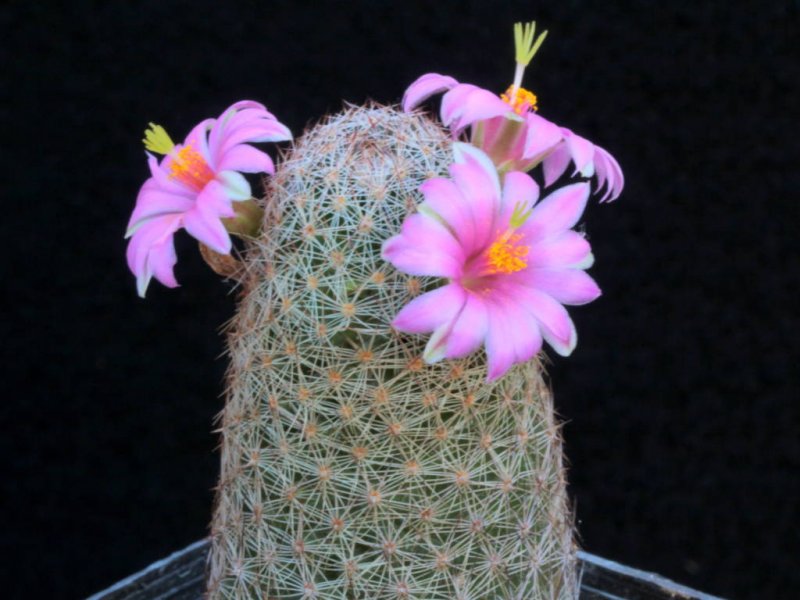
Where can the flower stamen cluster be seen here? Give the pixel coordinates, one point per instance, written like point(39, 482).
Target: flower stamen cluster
point(507, 255)
point(520, 100)
point(190, 168)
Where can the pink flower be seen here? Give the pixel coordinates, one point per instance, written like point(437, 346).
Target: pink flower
point(511, 264)
point(510, 131)
point(195, 185)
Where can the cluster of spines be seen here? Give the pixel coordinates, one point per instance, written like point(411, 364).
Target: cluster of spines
point(351, 469)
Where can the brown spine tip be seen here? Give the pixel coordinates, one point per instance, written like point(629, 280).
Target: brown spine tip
point(415, 364)
point(374, 498)
point(413, 286)
point(337, 524)
point(389, 548)
point(412, 468)
point(395, 429)
point(461, 478)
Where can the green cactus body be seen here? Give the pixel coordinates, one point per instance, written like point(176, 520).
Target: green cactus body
point(350, 468)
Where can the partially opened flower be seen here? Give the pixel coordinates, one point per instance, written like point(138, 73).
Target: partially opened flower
point(195, 185)
point(508, 128)
point(511, 263)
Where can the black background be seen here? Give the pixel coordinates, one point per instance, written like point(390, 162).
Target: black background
point(680, 400)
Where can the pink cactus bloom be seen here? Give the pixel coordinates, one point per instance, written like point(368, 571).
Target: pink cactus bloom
point(511, 264)
point(507, 127)
point(195, 185)
point(510, 131)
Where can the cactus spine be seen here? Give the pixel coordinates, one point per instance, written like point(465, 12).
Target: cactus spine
point(351, 469)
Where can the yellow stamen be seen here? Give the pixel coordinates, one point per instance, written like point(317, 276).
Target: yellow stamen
point(520, 100)
point(189, 166)
point(506, 255)
point(157, 140)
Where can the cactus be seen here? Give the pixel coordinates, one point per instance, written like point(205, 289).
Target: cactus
point(350, 468)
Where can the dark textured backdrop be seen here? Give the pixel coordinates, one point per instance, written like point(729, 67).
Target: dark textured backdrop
point(680, 401)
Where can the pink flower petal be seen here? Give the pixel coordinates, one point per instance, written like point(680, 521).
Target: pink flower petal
point(246, 159)
point(608, 171)
point(582, 152)
point(499, 352)
point(208, 229)
point(215, 135)
point(602, 170)
point(245, 121)
point(542, 136)
point(525, 336)
point(436, 347)
point(476, 177)
point(503, 139)
point(427, 312)
point(443, 197)
point(453, 102)
point(160, 172)
point(486, 133)
point(518, 188)
point(198, 139)
point(567, 286)
point(236, 186)
point(556, 326)
point(162, 261)
point(232, 117)
point(557, 212)
point(214, 201)
point(555, 164)
point(425, 87)
point(569, 249)
point(469, 329)
point(513, 335)
point(153, 232)
point(154, 202)
point(242, 105)
point(151, 248)
point(466, 103)
point(425, 247)
point(464, 153)
point(262, 130)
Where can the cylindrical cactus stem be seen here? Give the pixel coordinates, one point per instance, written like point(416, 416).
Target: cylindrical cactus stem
point(350, 468)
